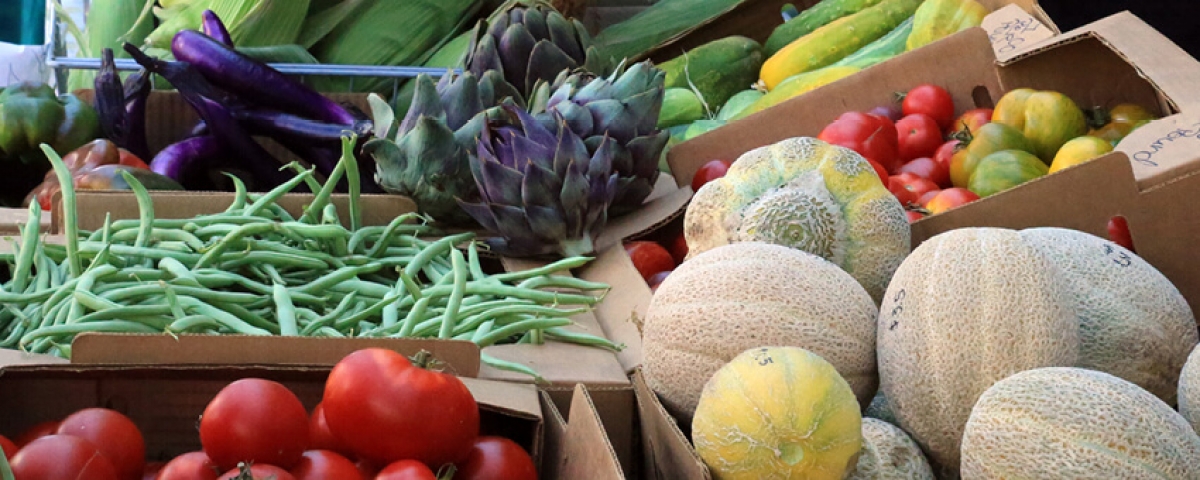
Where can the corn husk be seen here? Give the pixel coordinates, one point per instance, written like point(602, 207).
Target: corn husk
point(659, 25)
point(391, 33)
point(251, 23)
point(109, 24)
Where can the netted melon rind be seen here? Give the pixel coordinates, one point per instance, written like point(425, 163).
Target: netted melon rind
point(1134, 323)
point(869, 234)
point(889, 454)
point(1076, 423)
point(1189, 390)
point(968, 308)
point(746, 295)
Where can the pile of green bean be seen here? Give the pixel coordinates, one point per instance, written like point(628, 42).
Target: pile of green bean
point(257, 270)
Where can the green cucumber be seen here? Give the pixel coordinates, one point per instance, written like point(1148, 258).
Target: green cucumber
point(737, 103)
point(888, 46)
point(680, 106)
point(815, 17)
point(718, 69)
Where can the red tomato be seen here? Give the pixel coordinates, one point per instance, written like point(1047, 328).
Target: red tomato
point(890, 111)
point(710, 171)
point(150, 471)
point(971, 120)
point(679, 248)
point(35, 432)
point(366, 468)
point(259, 471)
point(919, 136)
point(1118, 232)
point(872, 136)
point(950, 198)
point(924, 199)
point(407, 470)
point(914, 215)
point(928, 169)
point(908, 187)
point(497, 458)
point(114, 434)
point(931, 100)
point(189, 466)
point(657, 279)
point(649, 258)
point(325, 465)
point(320, 438)
point(879, 170)
point(945, 153)
point(254, 420)
point(8, 447)
point(61, 457)
point(385, 409)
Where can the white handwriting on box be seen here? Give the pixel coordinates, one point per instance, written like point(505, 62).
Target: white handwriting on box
point(1012, 29)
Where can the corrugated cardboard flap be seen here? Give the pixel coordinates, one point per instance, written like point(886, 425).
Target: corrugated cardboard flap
point(1164, 150)
point(1158, 60)
point(587, 452)
point(459, 357)
point(667, 452)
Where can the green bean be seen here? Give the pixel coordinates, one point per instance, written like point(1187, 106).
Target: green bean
point(316, 231)
point(456, 295)
point(254, 319)
point(222, 317)
point(434, 274)
point(173, 302)
point(182, 275)
point(583, 339)
point(509, 366)
point(29, 244)
point(285, 312)
point(339, 276)
point(144, 290)
point(521, 326)
point(482, 331)
point(272, 196)
point(473, 322)
point(374, 309)
point(286, 259)
point(433, 250)
point(239, 193)
point(92, 301)
point(322, 197)
point(385, 238)
point(68, 206)
point(125, 312)
point(45, 272)
point(219, 248)
point(328, 319)
point(111, 326)
point(414, 315)
point(473, 262)
point(329, 215)
point(558, 266)
point(192, 322)
point(145, 209)
point(272, 273)
point(360, 237)
point(352, 180)
point(329, 332)
point(91, 248)
point(312, 183)
point(559, 281)
point(162, 234)
point(306, 315)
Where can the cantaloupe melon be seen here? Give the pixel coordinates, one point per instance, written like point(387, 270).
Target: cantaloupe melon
point(889, 454)
point(746, 295)
point(777, 413)
point(968, 308)
point(1189, 390)
point(879, 409)
point(1061, 423)
point(809, 195)
point(1133, 322)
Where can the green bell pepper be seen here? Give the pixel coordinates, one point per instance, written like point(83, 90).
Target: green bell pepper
point(31, 114)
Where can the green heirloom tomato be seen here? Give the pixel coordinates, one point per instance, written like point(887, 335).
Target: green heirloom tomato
point(1003, 170)
point(989, 139)
point(1048, 119)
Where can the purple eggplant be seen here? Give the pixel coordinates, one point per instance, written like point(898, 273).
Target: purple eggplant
point(251, 79)
point(213, 27)
point(110, 100)
point(137, 93)
point(255, 158)
point(181, 75)
point(186, 158)
point(284, 126)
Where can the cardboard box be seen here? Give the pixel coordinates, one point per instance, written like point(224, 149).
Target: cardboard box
point(165, 399)
point(11, 220)
point(757, 19)
point(1137, 64)
point(667, 453)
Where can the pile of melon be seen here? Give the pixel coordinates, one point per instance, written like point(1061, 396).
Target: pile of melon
point(1039, 353)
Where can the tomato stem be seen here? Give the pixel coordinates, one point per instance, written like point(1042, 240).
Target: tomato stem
point(446, 472)
point(424, 359)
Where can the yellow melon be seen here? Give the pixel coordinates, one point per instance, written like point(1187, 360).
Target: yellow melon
point(1133, 322)
point(745, 295)
point(1189, 390)
point(889, 454)
point(809, 195)
point(968, 308)
point(777, 413)
point(1068, 423)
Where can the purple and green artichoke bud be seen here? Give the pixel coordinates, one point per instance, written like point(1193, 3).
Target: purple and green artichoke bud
point(530, 41)
point(425, 155)
point(542, 191)
point(623, 107)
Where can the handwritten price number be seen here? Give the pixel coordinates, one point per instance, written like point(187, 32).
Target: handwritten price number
point(1120, 258)
point(898, 309)
point(763, 358)
point(1009, 34)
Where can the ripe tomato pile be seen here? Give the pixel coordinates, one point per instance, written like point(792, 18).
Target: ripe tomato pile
point(911, 147)
point(381, 417)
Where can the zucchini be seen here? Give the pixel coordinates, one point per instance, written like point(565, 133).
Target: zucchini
point(888, 46)
point(833, 42)
point(718, 69)
point(796, 86)
point(815, 17)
